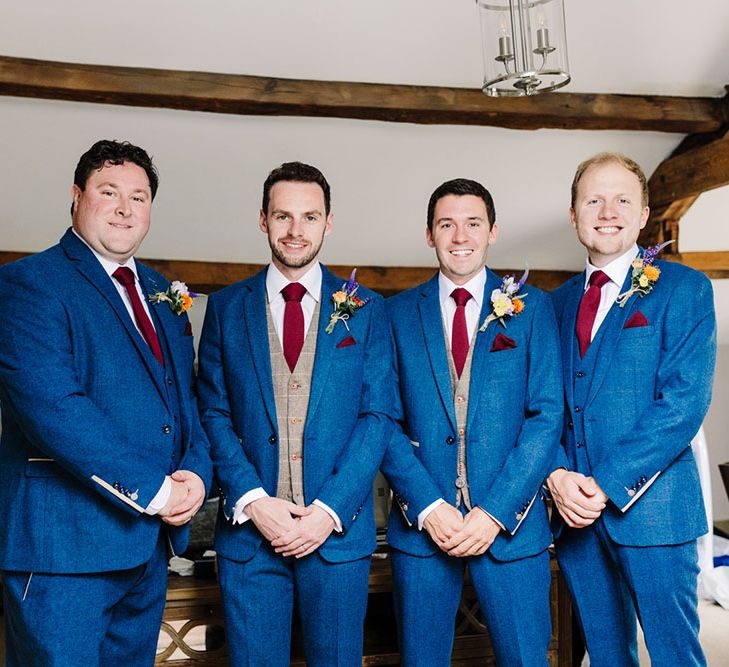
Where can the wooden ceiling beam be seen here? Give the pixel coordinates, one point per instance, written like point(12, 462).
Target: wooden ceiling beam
point(255, 95)
point(207, 277)
point(698, 165)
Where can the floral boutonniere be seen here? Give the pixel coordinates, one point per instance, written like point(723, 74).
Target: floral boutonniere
point(644, 275)
point(346, 303)
point(177, 296)
point(506, 301)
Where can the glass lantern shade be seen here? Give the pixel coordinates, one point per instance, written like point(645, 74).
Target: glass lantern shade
point(524, 46)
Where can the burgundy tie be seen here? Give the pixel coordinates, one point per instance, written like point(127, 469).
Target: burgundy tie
point(125, 276)
point(459, 335)
point(588, 310)
point(293, 328)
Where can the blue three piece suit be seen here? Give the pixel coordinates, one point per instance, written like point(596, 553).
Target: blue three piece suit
point(633, 404)
point(348, 425)
point(91, 424)
point(512, 432)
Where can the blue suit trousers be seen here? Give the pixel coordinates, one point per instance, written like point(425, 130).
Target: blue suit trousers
point(94, 620)
point(513, 596)
point(610, 582)
point(258, 598)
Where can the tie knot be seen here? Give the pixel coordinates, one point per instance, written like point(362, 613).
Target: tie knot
point(124, 275)
point(293, 292)
point(598, 279)
point(460, 296)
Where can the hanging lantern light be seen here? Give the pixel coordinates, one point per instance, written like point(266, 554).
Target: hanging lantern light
point(524, 46)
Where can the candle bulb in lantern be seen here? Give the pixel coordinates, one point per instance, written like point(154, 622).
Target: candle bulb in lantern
point(543, 38)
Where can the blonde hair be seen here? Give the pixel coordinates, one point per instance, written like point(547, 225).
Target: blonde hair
point(605, 158)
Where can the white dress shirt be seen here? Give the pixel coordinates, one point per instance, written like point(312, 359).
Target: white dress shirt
point(475, 287)
point(275, 282)
point(163, 495)
point(616, 270)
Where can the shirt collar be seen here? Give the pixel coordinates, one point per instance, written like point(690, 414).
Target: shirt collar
point(615, 270)
point(475, 286)
point(276, 281)
point(109, 265)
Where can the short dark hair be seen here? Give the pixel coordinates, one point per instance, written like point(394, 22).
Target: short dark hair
point(460, 187)
point(106, 152)
point(299, 173)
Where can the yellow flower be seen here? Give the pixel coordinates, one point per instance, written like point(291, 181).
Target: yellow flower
point(502, 304)
point(518, 305)
point(643, 280)
point(339, 297)
point(652, 273)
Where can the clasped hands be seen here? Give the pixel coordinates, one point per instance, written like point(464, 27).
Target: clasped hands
point(461, 536)
point(579, 499)
point(186, 497)
point(291, 529)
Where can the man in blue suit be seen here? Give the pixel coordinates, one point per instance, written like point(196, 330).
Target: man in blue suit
point(481, 420)
point(100, 431)
point(296, 391)
point(638, 347)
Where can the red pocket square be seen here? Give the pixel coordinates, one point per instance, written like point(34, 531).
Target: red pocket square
point(347, 342)
point(188, 329)
point(502, 342)
point(638, 320)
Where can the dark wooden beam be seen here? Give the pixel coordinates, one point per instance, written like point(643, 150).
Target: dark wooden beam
point(713, 264)
point(238, 94)
point(698, 165)
point(208, 277)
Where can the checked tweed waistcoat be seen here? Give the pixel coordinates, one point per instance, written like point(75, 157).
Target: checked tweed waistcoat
point(291, 394)
point(460, 388)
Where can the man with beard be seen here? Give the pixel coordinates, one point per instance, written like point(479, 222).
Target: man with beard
point(295, 403)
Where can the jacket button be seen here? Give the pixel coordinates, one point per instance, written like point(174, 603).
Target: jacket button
point(169, 382)
point(166, 429)
point(570, 424)
point(578, 408)
point(450, 440)
point(272, 439)
point(579, 444)
point(579, 374)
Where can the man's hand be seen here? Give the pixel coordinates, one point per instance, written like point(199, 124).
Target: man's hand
point(477, 534)
point(183, 511)
point(178, 493)
point(579, 499)
point(274, 516)
point(307, 535)
point(443, 523)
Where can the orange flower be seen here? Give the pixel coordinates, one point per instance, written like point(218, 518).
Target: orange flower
point(186, 302)
point(358, 302)
point(652, 273)
point(518, 305)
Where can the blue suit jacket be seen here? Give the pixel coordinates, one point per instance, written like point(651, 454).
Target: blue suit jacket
point(86, 429)
point(648, 396)
point(348, 421)
point(513, 425)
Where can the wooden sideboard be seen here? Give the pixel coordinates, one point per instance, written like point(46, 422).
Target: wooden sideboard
point(196, 603)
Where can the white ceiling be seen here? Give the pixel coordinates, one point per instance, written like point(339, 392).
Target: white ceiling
point(382, 174)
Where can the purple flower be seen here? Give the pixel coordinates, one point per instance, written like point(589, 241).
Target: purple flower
point(651, 253)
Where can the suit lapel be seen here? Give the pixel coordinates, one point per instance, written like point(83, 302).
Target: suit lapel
point(568, 336)
point(613, 329)
point(483, 340)
point(325, 343)
point(88, 266)
point(256, 333)
point(431, 320)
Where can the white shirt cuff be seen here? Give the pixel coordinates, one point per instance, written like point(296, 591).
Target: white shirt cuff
point(157, 504)
point(330, 512)
point(424, 514)
point(239, 516)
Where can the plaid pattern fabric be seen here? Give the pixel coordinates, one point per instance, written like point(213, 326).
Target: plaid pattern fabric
point(291, 394)
point(460, 402)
